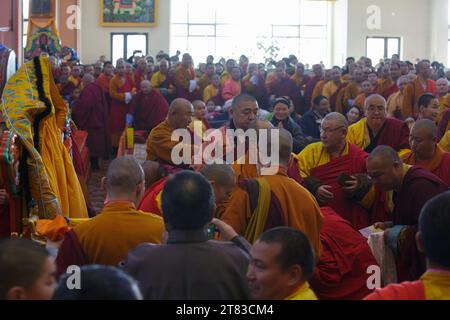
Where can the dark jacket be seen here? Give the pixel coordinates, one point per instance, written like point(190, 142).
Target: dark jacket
point(189, 267)
point(310, 124)
point(298, 138)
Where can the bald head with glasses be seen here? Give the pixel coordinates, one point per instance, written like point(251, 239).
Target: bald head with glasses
point(333, 133)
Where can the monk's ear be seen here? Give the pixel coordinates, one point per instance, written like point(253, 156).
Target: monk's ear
point(419, 242)
point(295, 274)
point(16, 293)
point(103, 184)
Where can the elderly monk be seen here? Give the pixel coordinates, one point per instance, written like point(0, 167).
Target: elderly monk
point(395, 100)
point(425, 152)
point(421, 85)
point(413, 187)
point(322, 164)
point(148, 109)
point(341, 273)
point(184, 80)
point(155, 179)
point(160, 143)
point(199, 123)
point(90, 113)
point(271, 201)
point(107, 238)
point(121, 89)
point(442, 85)
point(376, 129)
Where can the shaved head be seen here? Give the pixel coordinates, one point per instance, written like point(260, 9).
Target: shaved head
point(221, 174)
point(153, 172)
point(339, 118)
point(427, 126)
point(178, 105)
point(384, 154)
point(180, 113)
point(88, 78)
point(123, 176)
point(375, 98)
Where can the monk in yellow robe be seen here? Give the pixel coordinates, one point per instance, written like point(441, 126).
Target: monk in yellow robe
point(352, 90)
point(119, 228)
point(199, 123)
point(161, 80)
point(444, 98)
point(160, 143)
point(226, 75)
point(318, 89)
point(376, 129)
point(33, 109)
point(425, 152)
point(271, 201)
point(184, 80)
point(395, 100)
point(206, 79)
point(421, 85)
point(322, 164)
point(333, 90)
point(445, 142)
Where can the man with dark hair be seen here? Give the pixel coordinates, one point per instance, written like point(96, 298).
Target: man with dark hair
point(428, 107)
point(413, 187)
point(189, 266)
point(109, 237)
point(99, 283)
point(318, 76)
point(282, 262)
point(425, 152)
point(27, 271)
point(433, 239)
point(311, 120)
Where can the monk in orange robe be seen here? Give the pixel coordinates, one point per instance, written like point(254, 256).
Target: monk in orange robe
point(444, 124)
point(104, 80)
point(318, 89)
point(121, 89)
point(333, 90)
point(107, 238)
point(270, 201)
point(388, 88)
point(206, 79)
point(443, 96)
point(425, 152)
point(184, 79)
point(352, 90)
point(421, 85)
point(309, 88)
point(395, 100)
point(160, 143)
point(360, 100)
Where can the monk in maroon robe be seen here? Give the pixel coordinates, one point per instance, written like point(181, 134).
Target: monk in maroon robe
point(280, 85)
point(341, 273)
point(412, 187)
point(90, 113)
point(318, 76)
point(148, 109)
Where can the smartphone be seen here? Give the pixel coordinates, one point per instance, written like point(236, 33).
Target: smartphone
point(211, 231)
point(343, 178)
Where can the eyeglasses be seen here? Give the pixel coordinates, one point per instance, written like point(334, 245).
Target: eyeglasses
point(326, 130)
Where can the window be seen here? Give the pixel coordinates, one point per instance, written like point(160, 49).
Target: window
point(203, 27)
point(123, 45)
point(25, 13)
point(381, 48)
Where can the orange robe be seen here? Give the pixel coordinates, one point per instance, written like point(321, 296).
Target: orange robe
point(395, 105)
point(444, 105)
point(412, 92)
point(160, 144)
point(119, 228)
point(439, 164)
point(384, 85)
point(182, 79)
point(297, 208)
point(203, 82)
point(350, 93)
point(359, 102)
point(318, 89)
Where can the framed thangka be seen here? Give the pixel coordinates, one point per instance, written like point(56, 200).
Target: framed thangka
point(128, 13)
point(42, 8)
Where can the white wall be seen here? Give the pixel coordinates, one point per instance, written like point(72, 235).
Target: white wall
point(96, 40)
point(421, 24)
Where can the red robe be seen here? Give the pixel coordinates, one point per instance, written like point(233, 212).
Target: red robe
point(444, 124)
point(395, 134)
point(402, 291)
point(148, 110)
point(419, 186)
point(90, 113)
point(149, 202)
point(119, 109)
point(352, 163)
point(309, 92)
point(286, 87)
point(390, 91)
point(341, 273)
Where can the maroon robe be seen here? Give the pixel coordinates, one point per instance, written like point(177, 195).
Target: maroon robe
point(444, 124)
point(148, 110)
point(69, 254)
point(90, 113)
point(120, 109)
point(5, 230)
point(286, 87)
point(419, 186)
point(309, 92)
point(394, 133)
point(341, 273)
point(390, 91)
point(352, 163)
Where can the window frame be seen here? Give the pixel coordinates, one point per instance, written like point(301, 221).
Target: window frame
point(125, 47)
point(386, 48)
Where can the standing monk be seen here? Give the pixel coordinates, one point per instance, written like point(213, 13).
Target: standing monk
point(184, 79)
point(104, 79)
point(121, 89)
point(90, 113)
